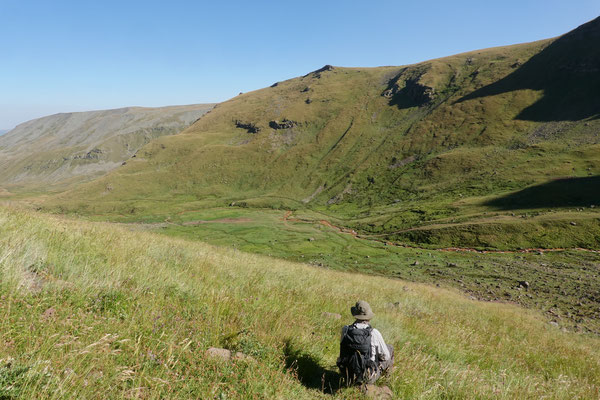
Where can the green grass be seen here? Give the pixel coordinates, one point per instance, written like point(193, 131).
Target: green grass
point(564, 285)
point(91, 310)
point(496, 161)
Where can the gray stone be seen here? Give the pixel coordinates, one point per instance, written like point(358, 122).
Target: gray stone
point(524, 284)
point(219, 353)
point(227, 355)
point(378, 392)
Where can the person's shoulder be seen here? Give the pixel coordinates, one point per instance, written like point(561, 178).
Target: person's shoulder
point(374, 331)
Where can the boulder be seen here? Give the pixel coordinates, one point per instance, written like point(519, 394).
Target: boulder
point(227, 355)
point(524, 284)
point(216, 352)
point(378, 392)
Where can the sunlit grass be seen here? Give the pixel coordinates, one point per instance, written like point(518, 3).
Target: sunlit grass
point(90, 310)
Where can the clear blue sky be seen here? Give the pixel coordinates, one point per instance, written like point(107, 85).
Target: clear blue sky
point(59, 55)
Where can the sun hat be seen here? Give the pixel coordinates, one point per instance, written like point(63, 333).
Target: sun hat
point(362, 311)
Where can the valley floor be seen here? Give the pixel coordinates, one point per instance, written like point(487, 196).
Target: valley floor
point(562, 283)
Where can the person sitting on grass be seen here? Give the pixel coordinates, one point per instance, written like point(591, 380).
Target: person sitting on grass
point(364, 355)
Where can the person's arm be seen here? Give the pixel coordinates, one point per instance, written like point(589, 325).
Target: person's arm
point(381, 350)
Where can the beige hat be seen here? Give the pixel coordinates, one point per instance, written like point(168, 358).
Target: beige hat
point(362, 311)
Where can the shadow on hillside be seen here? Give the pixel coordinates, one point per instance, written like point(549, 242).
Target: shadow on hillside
point(309, 372)
point(568, 71)
point(568, 192)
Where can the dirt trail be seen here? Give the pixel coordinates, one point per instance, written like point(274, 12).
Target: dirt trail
point(288, 217)
point(218, 221)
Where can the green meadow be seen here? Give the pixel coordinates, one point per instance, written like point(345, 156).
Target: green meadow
point(93, 310)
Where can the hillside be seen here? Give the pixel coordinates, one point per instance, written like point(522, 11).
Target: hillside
point(65, 148)
point(90, 310)
point(432, 154)
point(478, 171)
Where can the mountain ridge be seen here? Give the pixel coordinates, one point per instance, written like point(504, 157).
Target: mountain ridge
point(65, 148)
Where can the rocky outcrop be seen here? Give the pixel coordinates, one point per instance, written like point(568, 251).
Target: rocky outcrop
point(284, 124)
point(317, 73)
point(408, 87)
point(93, 154)
point(249, 126)
point(417, 92)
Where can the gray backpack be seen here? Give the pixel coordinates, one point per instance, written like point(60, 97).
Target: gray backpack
point(355, 362)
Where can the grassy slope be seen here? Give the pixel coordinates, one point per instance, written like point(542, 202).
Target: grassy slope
point(421, 171)
point(90, 310)
point(563, 284)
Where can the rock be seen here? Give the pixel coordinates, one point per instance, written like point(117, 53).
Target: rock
point(225, 354)
point(325, 68)
point(308, 101)
point(49, 314)
point(377, 392)
point(317, 73)
point(306, 89)
point(573, 223)
point(415, 263)
point(249, 126)
point(311, 239)
point(331, 315)
point(451, 265)
point(218, 353)
point(285, 124)
point(412, 88)
point(554, 323)
point(524, 284)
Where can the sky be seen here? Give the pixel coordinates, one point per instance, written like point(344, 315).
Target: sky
point(62, 56)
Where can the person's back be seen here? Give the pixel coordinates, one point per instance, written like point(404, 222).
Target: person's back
point(364, 355)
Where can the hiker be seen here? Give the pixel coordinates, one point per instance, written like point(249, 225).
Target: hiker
point(364, 356)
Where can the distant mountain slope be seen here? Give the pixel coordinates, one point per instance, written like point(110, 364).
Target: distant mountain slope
point(70, 147)
point(415, 153)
